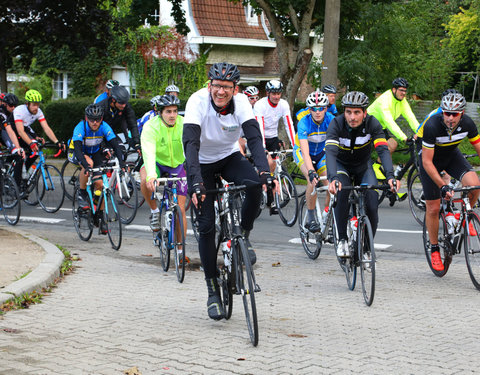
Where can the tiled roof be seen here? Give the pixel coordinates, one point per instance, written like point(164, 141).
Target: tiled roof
point(223, 18)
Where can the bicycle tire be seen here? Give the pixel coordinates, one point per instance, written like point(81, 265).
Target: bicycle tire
point(246, 287)
point(30, 198)
point(83, 220)
point(472, 249)
point(112, 220)
point(194, 221)
point(50, 188)
point(366, 250)
point(163, 243)
point(287, 200)
point(10, 199)
point(179, 254)
point(347, 264)
point(70, 175)
point(415, 194)
point(227, 285)
point(443, 244)
point(311, 249)
point(126, 200)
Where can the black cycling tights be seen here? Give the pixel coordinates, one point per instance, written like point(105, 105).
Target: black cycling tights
point(234, 168)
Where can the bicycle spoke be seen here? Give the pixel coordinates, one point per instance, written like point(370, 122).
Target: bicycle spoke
point(50, 188)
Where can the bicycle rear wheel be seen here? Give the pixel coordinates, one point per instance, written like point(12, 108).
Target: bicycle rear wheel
point(82, 219)
point(347, 264)
point(366, 260)
point(70, 175)
point(246, 287)
point(312, 243)
point(287, 200)
point(179, 244)
point(50, 189)
point(163, 242)
point(416, 199)
point(126, 197)
point(10, 200)
point(472, 249)
point(112, 219)
point(443, 243)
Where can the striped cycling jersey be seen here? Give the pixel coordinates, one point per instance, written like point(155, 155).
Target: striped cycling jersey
point(315, 134)
point(268, 117)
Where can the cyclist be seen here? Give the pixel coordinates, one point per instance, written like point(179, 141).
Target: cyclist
point(162, 151)
point(24, 116)
point(213, 118)
point(172, 90)
point(348, 147)
point(252, 94)
point(331, 92)
point(85, 149)
point(120, 116)
point(309, 150)
point(442, 134)
point(150, 114)
point(106, 94)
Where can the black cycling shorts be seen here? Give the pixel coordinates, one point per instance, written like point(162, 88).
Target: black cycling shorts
point(272, 144)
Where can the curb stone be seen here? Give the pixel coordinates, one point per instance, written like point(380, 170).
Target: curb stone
point(42, 276)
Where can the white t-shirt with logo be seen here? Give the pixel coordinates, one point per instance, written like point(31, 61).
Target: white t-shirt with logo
point(220, 133)
point(269, 116)
point(21, 113)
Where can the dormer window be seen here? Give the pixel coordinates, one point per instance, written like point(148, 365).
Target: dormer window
point(252, 18)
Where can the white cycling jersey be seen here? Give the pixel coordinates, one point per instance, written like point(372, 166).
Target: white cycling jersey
point(21, 113)
point(220, 133)
point(268, 117)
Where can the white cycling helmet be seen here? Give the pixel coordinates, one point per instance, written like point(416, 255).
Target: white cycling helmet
point(251, 91)
point(317, 99)
point(274, 86)
point(172, 88)
point(453, 103)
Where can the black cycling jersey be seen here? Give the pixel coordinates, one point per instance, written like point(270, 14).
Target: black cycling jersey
point(6, 118)
point(121, 120)
point(436, 136)
point(353, 147)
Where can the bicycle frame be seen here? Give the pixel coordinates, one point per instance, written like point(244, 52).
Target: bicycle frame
point(105, 187)
point(168, 200)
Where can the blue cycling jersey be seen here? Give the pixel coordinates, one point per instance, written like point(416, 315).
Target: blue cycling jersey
point(100, 97)
point(316, 134)
point(332, 108)
point(419, 131)
point(91, 140)
point(141, 121)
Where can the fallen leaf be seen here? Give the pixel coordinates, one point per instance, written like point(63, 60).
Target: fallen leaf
point(240, 359)
point(296, 335)
point(147, 255)
point(132, 371)
point(276, 264)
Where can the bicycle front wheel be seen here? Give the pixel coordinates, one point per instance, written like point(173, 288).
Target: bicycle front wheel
point(50, 189)
point(246, 286)
point(472, 248)
point(82, 219)
point(164, 242)
point(111, 217)
point(10, 200)
point(416, 199)
point(227, 285)
point(126, 197)
point(179, 243)
point(70, 175)
point(287, 200)
point(366, 259)
point(312, 243)
point(443, 244)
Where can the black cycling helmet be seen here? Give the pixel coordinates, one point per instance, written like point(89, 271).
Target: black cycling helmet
point(449, 91)
point(453, 103)
point(274, 86)
point(166, 101)
point(329, 89)
point(224, 72)
point(399, 82)
point(355, 99)
point(120, 94)
point(94, 112)
point(10, 99)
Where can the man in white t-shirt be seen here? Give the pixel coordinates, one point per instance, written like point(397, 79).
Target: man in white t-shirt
point(213, 119)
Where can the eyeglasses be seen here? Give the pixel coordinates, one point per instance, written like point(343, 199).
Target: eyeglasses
point(253, 98)
point(217, 87)
point(317, 109)
point(452, 114)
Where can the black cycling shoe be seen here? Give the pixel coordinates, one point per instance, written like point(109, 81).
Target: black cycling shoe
point(251, 252)
point(103, 227)
point(313, 226)
point(214, 302)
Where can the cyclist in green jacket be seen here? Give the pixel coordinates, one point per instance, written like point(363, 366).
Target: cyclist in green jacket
point(162, 152)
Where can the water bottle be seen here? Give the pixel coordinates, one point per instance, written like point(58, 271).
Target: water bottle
point(96, 196)
point(397, 171)
point(226, 250)
point(168, 219)
point(353, 227)
point(24, 172)
point(451, 221)
point(324, 217)
point(457, 215)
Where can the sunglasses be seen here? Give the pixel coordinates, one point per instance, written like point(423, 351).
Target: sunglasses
point(253, 98)
point(95, 119)
point(317, 109)
point(452, 114)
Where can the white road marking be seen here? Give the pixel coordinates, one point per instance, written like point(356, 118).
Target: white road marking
point(146, 228)
point(298, 240)
point(41, 219)
point(61, 209)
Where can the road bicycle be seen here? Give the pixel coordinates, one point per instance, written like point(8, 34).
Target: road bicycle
point(9, 194)
point(45, 179)
point(86, 219)
point(124, 187)
point(236, 274)
point(171, 235)
point(463, 228)
point(312, 241)
point(360, 242)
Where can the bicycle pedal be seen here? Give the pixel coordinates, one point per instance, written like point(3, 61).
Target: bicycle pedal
point(257, 288)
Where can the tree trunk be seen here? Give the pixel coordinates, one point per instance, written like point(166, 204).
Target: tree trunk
point(3, 74)
point(330, 42)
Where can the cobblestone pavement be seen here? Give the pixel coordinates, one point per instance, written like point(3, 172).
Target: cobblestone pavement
point(120, 310)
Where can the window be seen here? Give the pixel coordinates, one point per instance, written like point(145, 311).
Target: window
point(61, 86)
point(252, 18)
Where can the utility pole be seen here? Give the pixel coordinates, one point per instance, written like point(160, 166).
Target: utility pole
point(330, 42)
